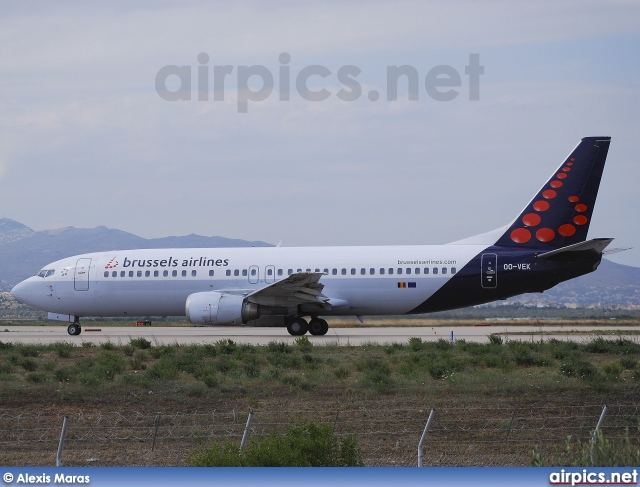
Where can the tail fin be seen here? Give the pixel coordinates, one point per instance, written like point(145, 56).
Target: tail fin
point(559, 215)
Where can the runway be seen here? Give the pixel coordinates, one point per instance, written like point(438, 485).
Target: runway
point(356, 336)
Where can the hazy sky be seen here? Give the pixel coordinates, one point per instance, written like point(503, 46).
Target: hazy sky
point(86, 140)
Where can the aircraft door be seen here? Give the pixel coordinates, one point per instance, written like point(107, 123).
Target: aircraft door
point(489, 272)
point(253, 274)
point(269, 274)
point(81, 276)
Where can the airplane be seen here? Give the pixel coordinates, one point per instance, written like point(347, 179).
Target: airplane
point(279, 286)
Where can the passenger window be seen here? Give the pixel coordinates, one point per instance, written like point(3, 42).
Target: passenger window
point(453, 270)
point(147, 273)
point(299, 270)
point(130, 273)
point(174, 273)
point(289, 272)
point(382, 271)
point(399, 271)
point(343, 272)
point(244, 272)
point(444, 270)
point(194, 273)
point(279, 272)
point(139, 273)
point(326, 271)
point(390, 271)
point(409, 271)
point(156, 273)
point(166, 273)
point(269, 272)
point(106, 274)
point(435, 270)
point(228, 273)
point(317, 270)
point(123, 273)
point(363, 271)
point(372, 271)
point(334, 272)
point(236, 272)
point(184, 273)
point(426, 270)
point(353, 271)
point(417, 270)
point(211, 273)
point(253, 272)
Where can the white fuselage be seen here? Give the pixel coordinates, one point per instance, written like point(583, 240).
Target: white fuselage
point(157, 282)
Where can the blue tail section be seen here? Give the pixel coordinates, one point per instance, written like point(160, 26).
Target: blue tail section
point(560, 214)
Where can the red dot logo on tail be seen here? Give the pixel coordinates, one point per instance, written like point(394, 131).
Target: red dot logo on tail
point(531, 219)
point(541, 205)
point(545, 235)
point(521, 235)
point(580, 220)
point(566, 230)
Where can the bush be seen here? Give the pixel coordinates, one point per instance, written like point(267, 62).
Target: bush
point(416, 344)
point(303, 344)
point(574, 367)
point(226, 347)
point(606, 453)
point(495, 339)
point(305, 445)
point(37, 377)
point(63, 349)
point(281, 347)
point(141, 343)
point(628, 363)
point(28, 364)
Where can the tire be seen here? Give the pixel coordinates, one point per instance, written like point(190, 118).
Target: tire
point(318, 326)
point(74, 329)
point(297, 327)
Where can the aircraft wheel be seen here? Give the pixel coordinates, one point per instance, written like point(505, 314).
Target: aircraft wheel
point(74, 329)
point(318, 326)
point(297, 327)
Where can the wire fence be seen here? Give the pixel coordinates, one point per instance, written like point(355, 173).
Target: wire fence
point(387, 437)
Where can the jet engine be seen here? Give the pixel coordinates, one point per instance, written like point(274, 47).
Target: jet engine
point(213, 308)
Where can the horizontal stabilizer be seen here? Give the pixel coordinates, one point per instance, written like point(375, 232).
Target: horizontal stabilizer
point(597, 244)
point(616, 250)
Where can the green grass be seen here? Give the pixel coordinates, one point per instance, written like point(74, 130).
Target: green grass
point(303, 367)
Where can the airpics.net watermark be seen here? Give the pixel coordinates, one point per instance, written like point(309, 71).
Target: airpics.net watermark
point(256, 83)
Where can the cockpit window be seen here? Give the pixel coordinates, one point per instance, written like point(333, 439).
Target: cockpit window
point(46, 272)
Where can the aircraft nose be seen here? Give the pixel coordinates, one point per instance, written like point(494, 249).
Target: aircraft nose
point(21, 292)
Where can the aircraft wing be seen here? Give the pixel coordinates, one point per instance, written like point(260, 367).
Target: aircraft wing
point(298, 288)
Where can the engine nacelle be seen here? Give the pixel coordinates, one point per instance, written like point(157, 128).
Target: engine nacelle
point(213, 308)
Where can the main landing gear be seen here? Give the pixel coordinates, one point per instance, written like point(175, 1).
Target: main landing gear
point(74, 328)
point(299, 326)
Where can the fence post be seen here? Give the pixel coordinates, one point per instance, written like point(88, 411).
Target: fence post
point(335, 423)
point(246, 430)
point(64, 429)
point(595, 433)
point(424, 436)
point(155, 433)
point(513, 415)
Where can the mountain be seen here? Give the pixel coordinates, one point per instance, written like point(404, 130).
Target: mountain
point(612, 285)
point(23, 251)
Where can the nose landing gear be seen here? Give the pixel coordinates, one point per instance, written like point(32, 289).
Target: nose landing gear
point(74, 328)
